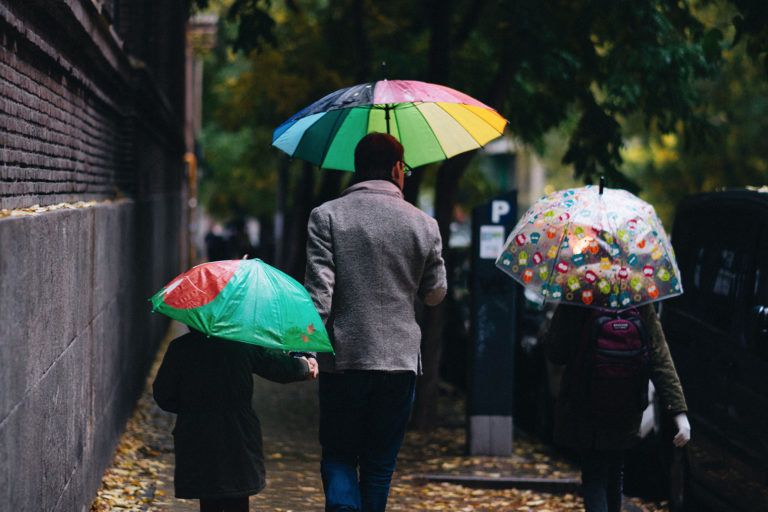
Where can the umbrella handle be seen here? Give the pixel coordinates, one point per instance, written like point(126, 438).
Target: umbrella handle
point(602, 184)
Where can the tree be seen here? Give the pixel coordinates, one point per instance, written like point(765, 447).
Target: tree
point(728, 151)
point(539, 62)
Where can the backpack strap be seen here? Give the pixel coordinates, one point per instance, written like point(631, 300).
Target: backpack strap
point(585, 337)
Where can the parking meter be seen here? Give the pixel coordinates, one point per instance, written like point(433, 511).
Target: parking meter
point(493, 325)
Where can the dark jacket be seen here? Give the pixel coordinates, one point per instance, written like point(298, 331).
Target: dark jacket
point(574, 426)
point(208, 383)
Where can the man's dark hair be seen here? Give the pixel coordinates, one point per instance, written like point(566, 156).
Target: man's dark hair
point(375, 155)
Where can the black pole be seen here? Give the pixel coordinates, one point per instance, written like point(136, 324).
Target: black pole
point(386, 117)
point(602, 184)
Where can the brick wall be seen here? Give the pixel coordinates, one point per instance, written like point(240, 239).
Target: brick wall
point(91, 109)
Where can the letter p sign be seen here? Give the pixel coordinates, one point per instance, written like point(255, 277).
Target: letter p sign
point(499, 208)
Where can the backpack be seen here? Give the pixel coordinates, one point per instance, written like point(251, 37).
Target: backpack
point(614, 369)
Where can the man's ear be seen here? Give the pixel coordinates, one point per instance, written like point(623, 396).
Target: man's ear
point(398, 174)
point(394, 171)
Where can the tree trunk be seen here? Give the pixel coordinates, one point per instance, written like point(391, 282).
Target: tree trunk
point(413, 185)
point(296, 225)
point(294, 240)
point(425, 409)
point(331, 186)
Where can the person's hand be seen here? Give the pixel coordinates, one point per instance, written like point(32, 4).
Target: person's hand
point(683, 430)
point(313, 368)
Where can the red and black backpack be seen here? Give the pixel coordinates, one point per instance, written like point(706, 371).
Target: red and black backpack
point(613, 371)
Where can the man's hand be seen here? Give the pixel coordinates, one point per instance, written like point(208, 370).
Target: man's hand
point(683, 430)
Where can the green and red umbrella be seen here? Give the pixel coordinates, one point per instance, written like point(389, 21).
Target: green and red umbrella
point(431, 121)
point(247, 301)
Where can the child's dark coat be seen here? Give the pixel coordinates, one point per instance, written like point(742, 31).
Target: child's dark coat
point(208, 383)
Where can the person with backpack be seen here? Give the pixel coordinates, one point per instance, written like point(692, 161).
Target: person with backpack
point(609, 357)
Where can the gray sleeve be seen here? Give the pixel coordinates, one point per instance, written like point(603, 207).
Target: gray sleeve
point(320, 273)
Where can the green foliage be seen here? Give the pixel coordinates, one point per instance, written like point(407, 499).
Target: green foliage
point(725, 151)
point(596, 72)
point(576, 79)
point(195, 5)
point(751, 24)
point(255, 25)
point(231, 186)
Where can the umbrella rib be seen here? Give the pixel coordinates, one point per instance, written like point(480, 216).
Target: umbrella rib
point(343, 113)
point(332, 133)
point(557, 257)
point(426, 121)
point(459, 122)
point(303, 135)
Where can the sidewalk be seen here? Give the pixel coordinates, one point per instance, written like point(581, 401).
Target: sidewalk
point(430, 467)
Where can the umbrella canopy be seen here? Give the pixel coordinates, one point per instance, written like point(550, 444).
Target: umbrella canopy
point(592, 247)
point(247, 301)
point(433, 122)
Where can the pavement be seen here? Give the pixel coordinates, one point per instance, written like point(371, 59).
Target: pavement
point(433, 471)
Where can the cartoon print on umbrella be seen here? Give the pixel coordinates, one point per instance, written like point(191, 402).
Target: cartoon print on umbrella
point(592, 247)
point(247, 301)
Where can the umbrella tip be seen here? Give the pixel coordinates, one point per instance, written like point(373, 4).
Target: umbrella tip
point(602, 184)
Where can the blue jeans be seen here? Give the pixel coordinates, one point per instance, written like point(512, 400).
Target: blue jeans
point(363, 418)
point(602, 480)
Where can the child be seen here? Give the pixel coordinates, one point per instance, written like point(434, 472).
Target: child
point(208, 383)
point(602, 441)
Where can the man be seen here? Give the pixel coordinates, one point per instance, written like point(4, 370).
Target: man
point(370, 254)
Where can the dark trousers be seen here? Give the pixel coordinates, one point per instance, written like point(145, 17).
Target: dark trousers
point(602, 480)
point(224, 505)
point(363, 418)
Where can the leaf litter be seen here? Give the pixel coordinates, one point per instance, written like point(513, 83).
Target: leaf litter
point(140, 477)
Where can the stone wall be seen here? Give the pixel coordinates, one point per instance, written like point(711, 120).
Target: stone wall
point(90, 125)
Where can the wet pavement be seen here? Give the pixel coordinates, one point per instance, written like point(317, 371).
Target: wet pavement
point(433, 472)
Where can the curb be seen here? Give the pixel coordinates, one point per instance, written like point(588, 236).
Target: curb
point(548, 485)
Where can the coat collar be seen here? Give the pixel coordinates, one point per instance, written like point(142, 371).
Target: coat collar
point(376, 187)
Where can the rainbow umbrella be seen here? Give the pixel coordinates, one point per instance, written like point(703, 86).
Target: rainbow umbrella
point(593, 247)
point(433, 122)
point(247, 301)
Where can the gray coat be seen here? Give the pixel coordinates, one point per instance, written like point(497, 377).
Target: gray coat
point(370, 253)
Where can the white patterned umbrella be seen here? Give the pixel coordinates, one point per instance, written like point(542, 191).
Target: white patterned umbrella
point(594, 247)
